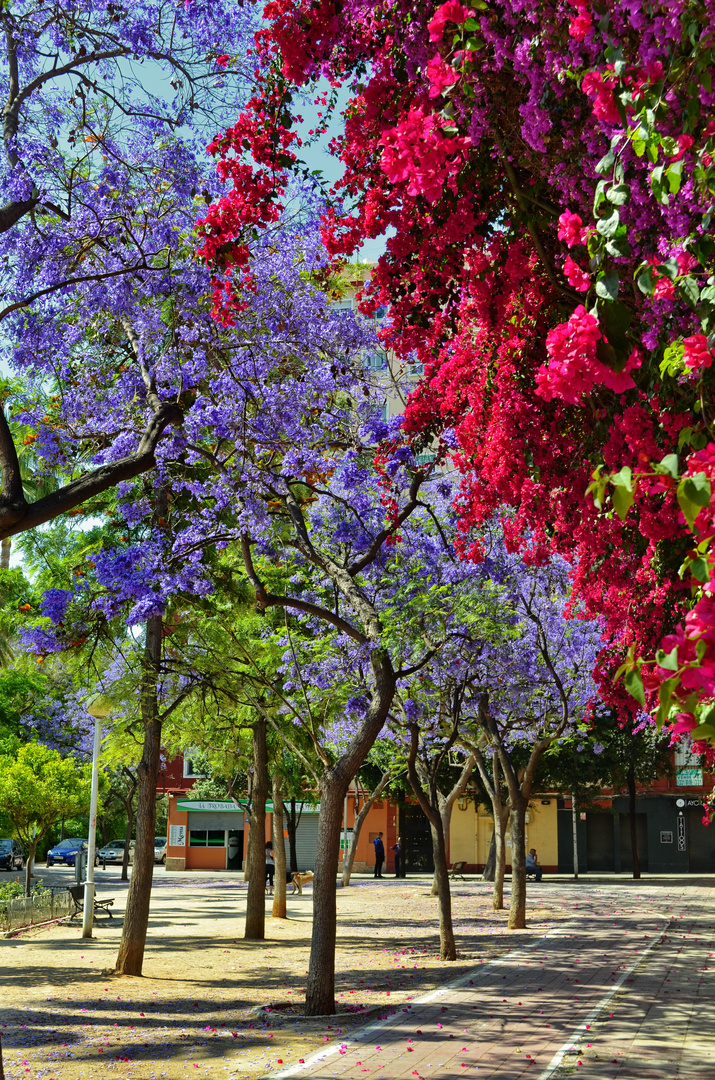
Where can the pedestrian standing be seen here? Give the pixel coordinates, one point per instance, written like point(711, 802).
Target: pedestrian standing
point(397, 848)
point(270, 867)
point(379, 854)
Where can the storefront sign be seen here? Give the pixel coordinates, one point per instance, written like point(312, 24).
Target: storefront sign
point(681, 832)
point(177, 836)
point(688, 777)
point(210, 805)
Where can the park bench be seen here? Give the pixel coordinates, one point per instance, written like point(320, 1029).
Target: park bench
point(457, 869)
point(77, 894)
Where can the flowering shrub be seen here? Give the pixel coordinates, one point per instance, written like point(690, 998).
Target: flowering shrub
point(546, 173)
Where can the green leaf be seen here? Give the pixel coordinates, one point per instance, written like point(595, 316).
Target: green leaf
point(634, 685)
point(607, 285)
point(674, 176)
point(623, 478)
point(700, 570)
point(669, 661)
point(693, 494)
point(645, 281)
point(697, 489)
point(688, 288)
point(638, 145)
point(608, 224)
point(703, 731)
point(622, 501)
point(606, 163)
point(668, 466)
point(618, 194)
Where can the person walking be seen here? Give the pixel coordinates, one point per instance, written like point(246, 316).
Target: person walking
point(379, 854)
point(397, 848)
point(270, 867)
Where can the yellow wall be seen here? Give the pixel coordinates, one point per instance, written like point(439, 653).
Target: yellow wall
point(471, 833)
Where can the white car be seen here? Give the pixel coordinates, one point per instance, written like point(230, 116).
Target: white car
point(160, 849)
point(114, 852)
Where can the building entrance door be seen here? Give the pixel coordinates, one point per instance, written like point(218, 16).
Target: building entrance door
point(416, 840)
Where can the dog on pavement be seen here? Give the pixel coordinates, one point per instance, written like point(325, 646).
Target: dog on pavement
point(299, 880)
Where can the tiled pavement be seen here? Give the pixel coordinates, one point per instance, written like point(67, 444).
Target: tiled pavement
point(623, 991)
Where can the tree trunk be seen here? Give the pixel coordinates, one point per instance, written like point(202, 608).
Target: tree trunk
point(5, 553)
point(292, 822)
point(359, 822)
point(256, 862)
point(447, 946)
point(517, 820)
point(631, 780)
point(489, 872)
point(500, 823)
point(320, 993)
point(333, 786)
point(136, 918)
point(124, 876)
point(32, 848)
point(279, 850)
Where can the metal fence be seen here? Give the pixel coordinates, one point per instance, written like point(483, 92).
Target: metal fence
point(30, 910)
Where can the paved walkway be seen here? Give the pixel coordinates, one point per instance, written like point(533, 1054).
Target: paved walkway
point(625, 991)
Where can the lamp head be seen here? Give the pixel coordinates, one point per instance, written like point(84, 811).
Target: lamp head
point(99, 706)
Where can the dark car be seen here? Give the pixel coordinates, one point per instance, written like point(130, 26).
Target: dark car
point(12, 857)
point(66, 852)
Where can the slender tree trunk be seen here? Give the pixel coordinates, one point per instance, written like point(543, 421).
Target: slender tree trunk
point(358, 824)
point(500, 858)
point(279, 850)
point(292, 822)
point(574, 835)
point(256, 862)
point(517, 821)
point(32, 848)
point(5, 553)
point(631, 780)
point(136, 918)
point(447, 945)
point(489, 872)
point(320, 993)
point(124, 876)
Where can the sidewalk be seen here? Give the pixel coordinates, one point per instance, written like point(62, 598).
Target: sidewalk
point(625, 990)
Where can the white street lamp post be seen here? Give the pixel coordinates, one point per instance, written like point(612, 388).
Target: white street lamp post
point(99, 708)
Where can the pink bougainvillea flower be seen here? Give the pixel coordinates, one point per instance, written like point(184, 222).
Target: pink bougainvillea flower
point(576, 277)
point(696, 353)
point(604, 103)
point(581, 24)
point(441, 75)
point(222, 60)
point(571, 229)
point(452, 11)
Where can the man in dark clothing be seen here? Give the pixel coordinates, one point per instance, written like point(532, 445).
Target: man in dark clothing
point(379, 854)
point(397, 848)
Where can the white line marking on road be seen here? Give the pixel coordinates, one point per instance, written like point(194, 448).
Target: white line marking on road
point(598, 1008)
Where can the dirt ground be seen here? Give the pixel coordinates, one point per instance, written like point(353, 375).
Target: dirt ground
point(193, 1011)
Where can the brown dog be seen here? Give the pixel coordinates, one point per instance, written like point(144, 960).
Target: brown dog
point(299, 880)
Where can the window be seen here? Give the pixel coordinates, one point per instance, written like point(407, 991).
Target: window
point(207, 838)
point(376, 361)
point(193, 764)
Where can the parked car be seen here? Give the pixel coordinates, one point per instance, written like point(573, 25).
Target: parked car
point(66, 852)
point(114, 851)
point(12, 857)
point(160, 849)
